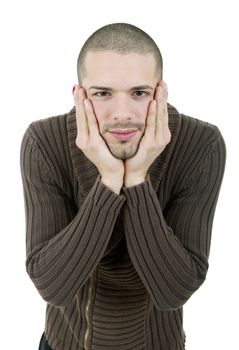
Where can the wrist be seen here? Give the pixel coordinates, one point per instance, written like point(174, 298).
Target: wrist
point(113, 183)
point(131, 180)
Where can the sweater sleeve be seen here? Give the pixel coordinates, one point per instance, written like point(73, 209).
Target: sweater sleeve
point(170, 249)
point(64, 245)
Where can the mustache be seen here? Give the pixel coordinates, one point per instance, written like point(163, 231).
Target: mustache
point(118, 125)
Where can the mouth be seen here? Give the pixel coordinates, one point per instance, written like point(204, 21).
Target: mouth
point(123, 134)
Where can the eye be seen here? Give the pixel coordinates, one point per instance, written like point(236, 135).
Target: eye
point(139, 93)
point(102, 93)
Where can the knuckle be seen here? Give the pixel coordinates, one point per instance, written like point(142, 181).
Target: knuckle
point(78, 144)
point(81, 143)
point(92, 147)
point(151, 122)
point(168, 136)
point(90, 123)
point(152, 146)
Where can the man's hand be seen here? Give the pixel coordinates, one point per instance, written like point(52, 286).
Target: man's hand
point(156, 137)
point(93, 145)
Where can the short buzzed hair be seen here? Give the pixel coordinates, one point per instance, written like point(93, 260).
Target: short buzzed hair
point(123, 38)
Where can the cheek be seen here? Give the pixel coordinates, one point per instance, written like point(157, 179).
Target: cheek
point(142, 111)
point(99, 110)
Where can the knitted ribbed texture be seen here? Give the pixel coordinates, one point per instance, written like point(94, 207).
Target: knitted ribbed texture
point(115, 270)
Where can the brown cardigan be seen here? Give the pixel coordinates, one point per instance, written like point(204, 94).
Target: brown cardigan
point(115, 270)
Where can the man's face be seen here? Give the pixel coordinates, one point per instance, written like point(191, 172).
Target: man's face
point(120, 88)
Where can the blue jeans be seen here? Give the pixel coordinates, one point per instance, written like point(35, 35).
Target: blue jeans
point(44, 344)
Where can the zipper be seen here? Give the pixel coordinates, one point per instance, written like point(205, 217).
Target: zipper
point(87, 313)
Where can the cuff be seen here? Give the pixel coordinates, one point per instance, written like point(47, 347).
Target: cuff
point(135, 194)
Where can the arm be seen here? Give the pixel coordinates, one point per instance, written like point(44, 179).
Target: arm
point(170, 249)
point(63, 246)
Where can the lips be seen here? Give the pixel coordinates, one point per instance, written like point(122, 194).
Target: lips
point(123, 135)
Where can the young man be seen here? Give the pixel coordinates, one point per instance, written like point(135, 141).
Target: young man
point(120, 195)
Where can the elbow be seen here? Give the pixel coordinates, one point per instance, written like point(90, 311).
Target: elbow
point(52, 293)
point(56, 300)
point(169, 305)
point(172, 299)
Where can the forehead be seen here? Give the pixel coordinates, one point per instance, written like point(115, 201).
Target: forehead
point(108, 67)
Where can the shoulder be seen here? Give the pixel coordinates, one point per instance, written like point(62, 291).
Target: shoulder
point(198, 130)
point(196, 143)
point(50, 133)
point(202, 138)
point(50, 137)
point(190, 130)
point(46, 129)
point(193, 135)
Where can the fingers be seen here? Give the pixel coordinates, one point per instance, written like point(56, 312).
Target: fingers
point(157, 113)
point(87, 124)
point(161, 97)
point(151, 118)
point(92, 122)
point(81, 117)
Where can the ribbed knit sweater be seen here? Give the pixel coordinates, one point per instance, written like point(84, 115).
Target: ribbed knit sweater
point(116, 270)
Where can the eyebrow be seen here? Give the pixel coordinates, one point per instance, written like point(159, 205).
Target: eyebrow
point(140, 87)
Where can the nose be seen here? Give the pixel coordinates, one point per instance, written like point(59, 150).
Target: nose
point(121, 108)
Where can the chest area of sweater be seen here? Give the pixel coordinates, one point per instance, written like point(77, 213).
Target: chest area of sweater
point(116, 269)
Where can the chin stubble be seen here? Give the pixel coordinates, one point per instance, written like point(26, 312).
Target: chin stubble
point(122, 150)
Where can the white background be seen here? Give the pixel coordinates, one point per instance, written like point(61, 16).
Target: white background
point(40, 41)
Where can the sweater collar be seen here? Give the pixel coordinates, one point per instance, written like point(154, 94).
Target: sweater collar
point(86, 172)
